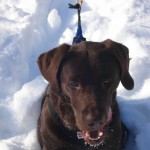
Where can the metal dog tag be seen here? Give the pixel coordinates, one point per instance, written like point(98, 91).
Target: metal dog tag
point(79, 135)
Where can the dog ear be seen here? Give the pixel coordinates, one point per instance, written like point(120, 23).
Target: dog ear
point(121, 52)
point(49, 63)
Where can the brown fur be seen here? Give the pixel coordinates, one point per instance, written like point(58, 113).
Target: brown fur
point(83, 81)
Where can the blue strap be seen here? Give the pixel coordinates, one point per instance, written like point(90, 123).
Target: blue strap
point(79, 37)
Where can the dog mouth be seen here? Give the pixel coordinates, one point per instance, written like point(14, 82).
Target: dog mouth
point(97, 137)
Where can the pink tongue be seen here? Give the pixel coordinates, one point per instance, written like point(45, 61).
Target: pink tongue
point(109, 115)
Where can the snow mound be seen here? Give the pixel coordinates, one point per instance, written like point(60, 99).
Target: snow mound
point(54, 19)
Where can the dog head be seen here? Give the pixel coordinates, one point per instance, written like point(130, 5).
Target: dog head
point(83, 80)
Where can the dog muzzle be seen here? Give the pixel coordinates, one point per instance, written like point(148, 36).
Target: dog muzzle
point(96, 137)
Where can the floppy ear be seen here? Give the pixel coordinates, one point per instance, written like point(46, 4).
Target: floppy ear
point(49, 63)
point(122, 54)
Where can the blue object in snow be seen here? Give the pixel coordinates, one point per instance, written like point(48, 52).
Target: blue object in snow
point(79, 37)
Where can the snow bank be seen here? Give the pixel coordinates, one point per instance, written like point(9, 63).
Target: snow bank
point(26, 141)
point(19, 114)
point(135, 116)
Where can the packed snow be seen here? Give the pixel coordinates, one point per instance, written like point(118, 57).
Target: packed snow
point(30, 27)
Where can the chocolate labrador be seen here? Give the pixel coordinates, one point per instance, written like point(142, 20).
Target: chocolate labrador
point(79, 109)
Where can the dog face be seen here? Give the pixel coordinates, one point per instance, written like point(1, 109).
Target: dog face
point(83, 80)
point(89, 82)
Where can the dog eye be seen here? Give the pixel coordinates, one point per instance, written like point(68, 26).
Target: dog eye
point(74, 83)
point(107, 82)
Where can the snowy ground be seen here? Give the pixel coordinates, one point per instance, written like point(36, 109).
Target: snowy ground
point(28, 28)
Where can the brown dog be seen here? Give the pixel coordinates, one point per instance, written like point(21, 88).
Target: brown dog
point(79, 110)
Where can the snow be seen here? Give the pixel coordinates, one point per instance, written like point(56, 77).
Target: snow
point(54, 19)
point(135, 115)
point(18, 111)
point(30, 27)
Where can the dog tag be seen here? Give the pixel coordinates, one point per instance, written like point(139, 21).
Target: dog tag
point(79, 135)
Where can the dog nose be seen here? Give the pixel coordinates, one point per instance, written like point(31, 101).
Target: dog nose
point(93, 124)
point(93, 119)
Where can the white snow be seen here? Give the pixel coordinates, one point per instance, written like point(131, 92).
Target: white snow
point(30, 27)
point(54, 19)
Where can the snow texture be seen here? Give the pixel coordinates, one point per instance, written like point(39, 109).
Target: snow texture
point(30, 27)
